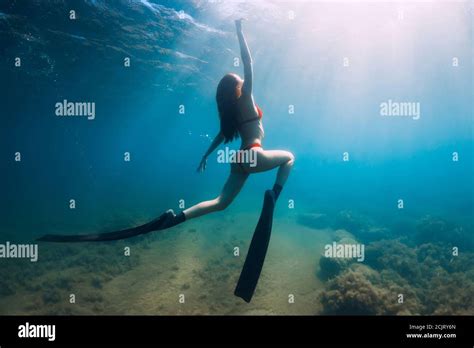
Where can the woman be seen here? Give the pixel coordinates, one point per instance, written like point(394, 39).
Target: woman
point(239, 117)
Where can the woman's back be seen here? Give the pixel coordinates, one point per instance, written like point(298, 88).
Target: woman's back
point(249, 120)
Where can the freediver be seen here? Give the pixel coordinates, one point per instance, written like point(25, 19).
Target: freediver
point(239, 116)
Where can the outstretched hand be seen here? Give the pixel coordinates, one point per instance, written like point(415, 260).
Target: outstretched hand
point(202, 165)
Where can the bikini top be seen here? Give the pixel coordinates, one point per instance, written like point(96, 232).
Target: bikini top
point(256, 118)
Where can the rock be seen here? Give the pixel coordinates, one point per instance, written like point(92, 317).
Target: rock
point(391, 254)
point(330, 267)
point(432, 230)
point(343, 234)
point(351, 221)
point(314, 220)
point(361, 290)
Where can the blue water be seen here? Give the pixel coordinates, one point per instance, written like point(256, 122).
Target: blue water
point(177, 58)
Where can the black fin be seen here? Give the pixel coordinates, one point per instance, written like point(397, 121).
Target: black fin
point(159, 223)
point(257, 251)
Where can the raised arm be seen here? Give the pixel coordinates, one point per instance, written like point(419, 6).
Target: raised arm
point(246, 59)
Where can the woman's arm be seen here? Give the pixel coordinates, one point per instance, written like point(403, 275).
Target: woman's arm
point(246, 59)
point(215, 143)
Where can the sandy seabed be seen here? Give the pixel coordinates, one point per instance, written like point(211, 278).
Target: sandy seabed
point(195, 259)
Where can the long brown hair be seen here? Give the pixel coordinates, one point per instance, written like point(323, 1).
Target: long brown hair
point(226, 99)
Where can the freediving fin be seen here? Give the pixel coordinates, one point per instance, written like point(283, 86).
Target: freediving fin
point(257, 250)
point(159, 223)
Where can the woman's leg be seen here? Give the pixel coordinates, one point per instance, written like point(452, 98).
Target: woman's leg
point(269, 159)
point(232, 187)
point(266, 160)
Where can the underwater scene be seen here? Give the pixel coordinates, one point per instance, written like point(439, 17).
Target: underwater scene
point(109, 106)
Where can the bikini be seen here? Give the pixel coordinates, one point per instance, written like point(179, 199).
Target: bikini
point(248, 147)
